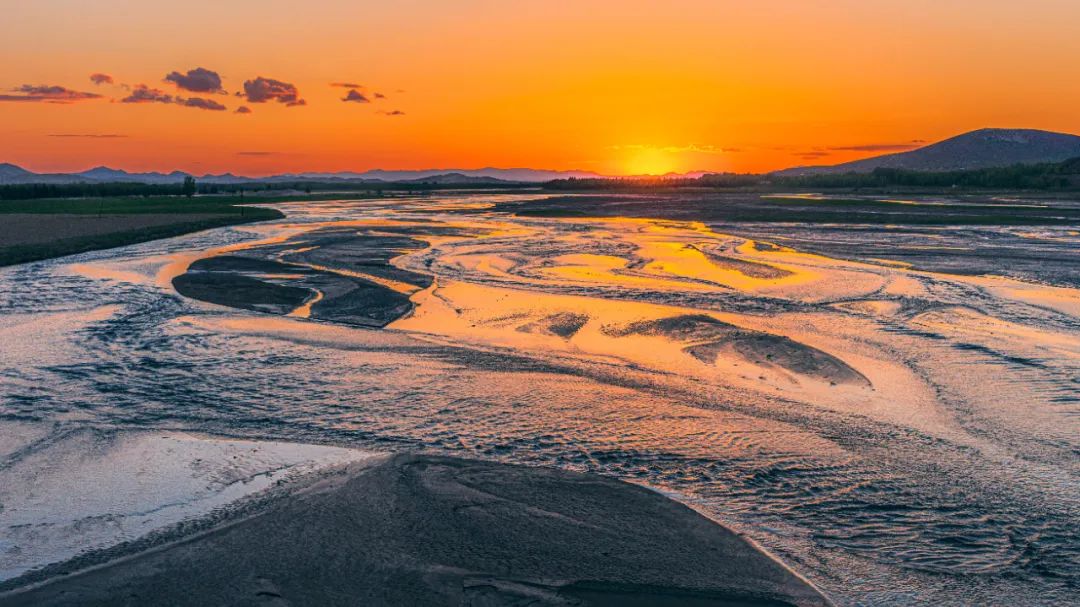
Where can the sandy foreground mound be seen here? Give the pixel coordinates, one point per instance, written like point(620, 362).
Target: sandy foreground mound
point(427, 530)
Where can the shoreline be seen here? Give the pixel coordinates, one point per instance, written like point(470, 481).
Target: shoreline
point(425, 529)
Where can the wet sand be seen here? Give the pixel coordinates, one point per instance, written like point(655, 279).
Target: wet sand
point(900, 436)
point(428, 530)
point(334, 274)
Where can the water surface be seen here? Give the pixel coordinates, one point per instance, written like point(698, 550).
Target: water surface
point(900, 432)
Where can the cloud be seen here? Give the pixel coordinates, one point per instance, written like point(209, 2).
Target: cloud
point(98, 78)
point(876, 147)
point(198, 80)
point(392, 113)
point(202, 104)
point(243, 109)
point(47, 94)
point(347, 85)
point(380, 96)
point(261, 90)
point(677, 149)
point(356, 97)
point(144, 94)
point(812, 155)
point(89, 135)
point(257, 153)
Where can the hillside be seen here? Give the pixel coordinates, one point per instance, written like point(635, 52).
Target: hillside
point(985, 148)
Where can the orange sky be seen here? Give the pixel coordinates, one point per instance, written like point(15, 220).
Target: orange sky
point(609, 86)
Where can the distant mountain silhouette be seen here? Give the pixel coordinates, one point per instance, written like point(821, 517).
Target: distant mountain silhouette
point(981, 149)
point(12, 174)
point(456, 179)
point(10, 171)
point(519, 174)
point(105, 174)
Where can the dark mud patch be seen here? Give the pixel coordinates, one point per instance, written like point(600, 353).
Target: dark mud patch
point(369, 252)
point(752, 269)
point(235, 263)
point(240, 291)
point(347, 273)
point(714, 337)
point(564, 325)
point(768, 350)
point(679, 328)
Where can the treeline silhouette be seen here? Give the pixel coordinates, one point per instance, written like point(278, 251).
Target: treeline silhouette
point(1048, 176)
point(32, 191)
point(29, 191)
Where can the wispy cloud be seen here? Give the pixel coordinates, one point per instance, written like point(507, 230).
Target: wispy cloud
point(144, 94)
point(876, 147)
point(98, 78)
point(358, 92)
point(243, 109)
point(813, 155)
point(29, 93)
point(89, 135)
point(257, 153)
point(392, 113)
point(355, 96)
point(262, 90)
point(198, 80)
point(203, 104)
point(676, 149)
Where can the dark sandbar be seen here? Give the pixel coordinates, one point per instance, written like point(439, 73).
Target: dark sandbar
point(425, 530)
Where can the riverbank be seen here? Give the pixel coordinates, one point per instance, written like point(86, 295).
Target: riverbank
point(33, 230)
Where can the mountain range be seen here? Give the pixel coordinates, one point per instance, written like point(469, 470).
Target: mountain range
point(981, 149)
point(13, 174)
point(984, 148)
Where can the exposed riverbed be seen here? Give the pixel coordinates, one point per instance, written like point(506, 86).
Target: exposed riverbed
point(895, 433)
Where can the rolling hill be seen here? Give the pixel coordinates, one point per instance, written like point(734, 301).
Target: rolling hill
point(981, 149)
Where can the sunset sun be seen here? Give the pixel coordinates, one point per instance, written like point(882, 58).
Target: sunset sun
point(650, 161)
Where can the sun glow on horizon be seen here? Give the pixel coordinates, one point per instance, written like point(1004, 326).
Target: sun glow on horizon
point(647, 160)
point(627, 87)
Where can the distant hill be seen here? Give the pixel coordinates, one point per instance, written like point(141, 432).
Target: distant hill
point(8, 170)
point(981, 149)
point(11, 174)
point(519, 175)
point(105, 174)
point(456, 179)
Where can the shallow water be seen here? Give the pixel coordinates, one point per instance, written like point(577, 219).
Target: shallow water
point(897, 434)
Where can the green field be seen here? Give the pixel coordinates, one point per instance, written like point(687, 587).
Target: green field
point(123, 205)
point(191, 215)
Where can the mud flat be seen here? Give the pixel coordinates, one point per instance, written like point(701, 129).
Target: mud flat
point(429, 530)
point(334, 274)
point(709, 338)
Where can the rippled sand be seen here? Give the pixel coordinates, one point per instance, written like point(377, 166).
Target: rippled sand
point(898, 435)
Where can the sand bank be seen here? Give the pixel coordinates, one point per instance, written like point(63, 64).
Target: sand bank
point(427, 530)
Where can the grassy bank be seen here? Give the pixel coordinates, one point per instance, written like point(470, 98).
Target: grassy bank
point(111, 228)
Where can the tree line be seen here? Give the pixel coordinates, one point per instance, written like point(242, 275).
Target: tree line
point(1047, 176)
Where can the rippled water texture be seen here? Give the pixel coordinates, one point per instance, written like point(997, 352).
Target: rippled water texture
point(896, 434)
